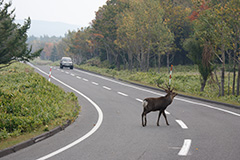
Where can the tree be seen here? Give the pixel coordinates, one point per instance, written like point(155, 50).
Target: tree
point(105, 25)
point(196, 52)
point(211, 28)
point(13, 37)
point(142, 32)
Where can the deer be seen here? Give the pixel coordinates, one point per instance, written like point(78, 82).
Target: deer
point(158, 104)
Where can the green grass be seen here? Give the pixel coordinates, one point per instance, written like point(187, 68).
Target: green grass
point(185, 80)
point(30, 104)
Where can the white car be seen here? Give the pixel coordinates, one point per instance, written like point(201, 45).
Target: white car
point(66, 62)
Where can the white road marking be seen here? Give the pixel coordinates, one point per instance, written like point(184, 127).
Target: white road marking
point(182, 124)
point(95, 83)
point(79, 77)
point(123, 94)
point(167, 112)
point(185, 148)
point(146, 90)
point(85, 79)
point(62, 71)
point(139, 100)
point(67, 72)
point(72, 74)
point(208, 106)
point(107, 88)
point(93, 130)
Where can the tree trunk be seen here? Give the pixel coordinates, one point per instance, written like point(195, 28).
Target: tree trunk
point(130, 57)
point(168, 61)
point(234, 74)
point(203, 84)
point(219, 87)
point(159, 62)
point(238, 79)
point(223, 71)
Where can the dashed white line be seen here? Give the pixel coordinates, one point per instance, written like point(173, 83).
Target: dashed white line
point(107, 88)
point(123, 94)
point(95, 83)
point(139, 100)
point(182, 124)
point(85, 79)
point(67, 72)
point(72, 74)
point(185, 148)
point(167, 112)
point(79, 77)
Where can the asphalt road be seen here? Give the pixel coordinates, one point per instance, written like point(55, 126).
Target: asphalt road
point(109, 125)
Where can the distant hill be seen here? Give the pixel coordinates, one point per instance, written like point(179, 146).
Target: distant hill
point(41, 28)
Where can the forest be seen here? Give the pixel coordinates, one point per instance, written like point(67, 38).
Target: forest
point(144, 34)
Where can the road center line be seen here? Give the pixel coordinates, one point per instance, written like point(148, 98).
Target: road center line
point(93, 130)
point(182, 124)
point(107, 88)
point(95, 83)
point(146, 90)
point(123, 94)
point(139, 100)
point(185, 148)
point(85, 79)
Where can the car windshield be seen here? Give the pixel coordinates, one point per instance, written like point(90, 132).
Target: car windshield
point(67, 60)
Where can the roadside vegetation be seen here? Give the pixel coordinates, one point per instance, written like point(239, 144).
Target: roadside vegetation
point(185, 80)
point(30, 104)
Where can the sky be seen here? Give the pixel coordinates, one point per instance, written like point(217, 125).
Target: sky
point(77, 12)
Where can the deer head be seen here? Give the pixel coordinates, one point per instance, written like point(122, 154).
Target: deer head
point(168, 90)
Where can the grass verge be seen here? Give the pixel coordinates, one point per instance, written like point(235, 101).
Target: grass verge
point(185, 80)
point(30, 105)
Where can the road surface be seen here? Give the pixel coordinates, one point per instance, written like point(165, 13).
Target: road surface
point(109, 125)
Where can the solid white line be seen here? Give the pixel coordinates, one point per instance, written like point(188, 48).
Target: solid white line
point(95, 83)
point(93, 130)
point(182, 124)
point(185, 148)
point(209, 106)
point(123, 94)
point(107, 88)
point(142, 89)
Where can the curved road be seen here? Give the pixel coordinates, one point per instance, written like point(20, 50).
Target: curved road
point(109, 125)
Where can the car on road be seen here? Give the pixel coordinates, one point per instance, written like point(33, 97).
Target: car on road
point(66, 62)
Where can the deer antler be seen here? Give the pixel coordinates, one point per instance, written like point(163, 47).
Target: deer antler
point(163, 87)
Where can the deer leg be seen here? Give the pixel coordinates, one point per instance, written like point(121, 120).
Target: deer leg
point(160, 112)
point(144, 118)
point(165, 118)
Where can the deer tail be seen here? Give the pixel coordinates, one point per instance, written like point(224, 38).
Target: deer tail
point(145, 103)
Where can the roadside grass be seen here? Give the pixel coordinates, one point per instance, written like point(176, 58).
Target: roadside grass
point(30, 105)
point(185, 80)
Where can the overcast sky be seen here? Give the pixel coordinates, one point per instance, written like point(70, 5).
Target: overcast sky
point(79, 12)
